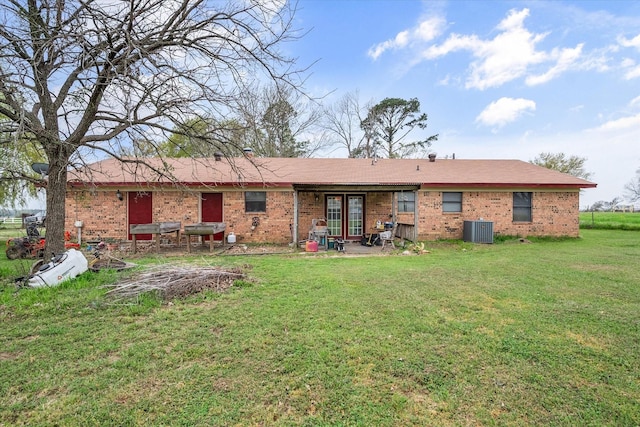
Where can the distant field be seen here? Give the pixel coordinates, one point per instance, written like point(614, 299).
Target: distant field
point(610, 220)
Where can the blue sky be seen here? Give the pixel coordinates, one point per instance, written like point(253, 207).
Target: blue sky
point(498, 79)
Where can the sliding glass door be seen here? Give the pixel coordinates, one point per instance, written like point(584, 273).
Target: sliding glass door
point(334, 215)
point(356, 216)
point(345, 215)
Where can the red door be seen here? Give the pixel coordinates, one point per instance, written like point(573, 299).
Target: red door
point(211, 211)
point(140, 211)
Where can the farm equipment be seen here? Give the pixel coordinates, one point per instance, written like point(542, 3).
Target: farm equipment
point(102, 262)
point(33, 245)
point(62, 267)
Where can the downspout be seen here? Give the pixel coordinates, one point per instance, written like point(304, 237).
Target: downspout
point(394, 204)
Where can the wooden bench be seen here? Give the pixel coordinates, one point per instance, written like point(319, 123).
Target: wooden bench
point(204, 229)
point(157, 228)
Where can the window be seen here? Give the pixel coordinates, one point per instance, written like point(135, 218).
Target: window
point(255, 201)
point(451, 202)
point(522, 207)
point(406, 202)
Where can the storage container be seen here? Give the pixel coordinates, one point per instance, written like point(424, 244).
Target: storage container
point(331, 243)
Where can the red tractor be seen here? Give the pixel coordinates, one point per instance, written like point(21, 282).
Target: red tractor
point(32, 246)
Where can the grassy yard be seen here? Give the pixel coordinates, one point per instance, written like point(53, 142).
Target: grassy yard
point(610, 220)
point(546, 333)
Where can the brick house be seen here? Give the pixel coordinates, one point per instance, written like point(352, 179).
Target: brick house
point(274, 200)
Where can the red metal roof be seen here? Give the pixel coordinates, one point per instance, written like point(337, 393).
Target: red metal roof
point(284, 172)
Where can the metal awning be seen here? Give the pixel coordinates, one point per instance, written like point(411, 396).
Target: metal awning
point(355, 187)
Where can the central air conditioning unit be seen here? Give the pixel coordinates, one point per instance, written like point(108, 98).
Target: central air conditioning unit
point(478, 231)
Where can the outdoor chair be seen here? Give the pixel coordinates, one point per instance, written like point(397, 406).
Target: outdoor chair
point(386, 237)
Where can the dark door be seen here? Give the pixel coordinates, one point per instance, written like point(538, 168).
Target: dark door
point(211, 211)
point(140, 211)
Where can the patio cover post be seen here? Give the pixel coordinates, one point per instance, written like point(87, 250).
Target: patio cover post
point(294, 237)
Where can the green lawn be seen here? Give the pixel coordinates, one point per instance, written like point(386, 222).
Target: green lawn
point(610, 220)
point(546, 333)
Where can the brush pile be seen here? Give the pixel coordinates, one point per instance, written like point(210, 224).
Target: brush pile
point(175, 282)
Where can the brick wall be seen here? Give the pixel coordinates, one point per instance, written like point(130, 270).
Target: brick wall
point(553, 213)
point(308, 210)
point(105, 216)
point(101, 212)
point(378, 208)
point(273, 225)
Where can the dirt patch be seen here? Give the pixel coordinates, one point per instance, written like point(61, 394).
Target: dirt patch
point(255, 249)
point(124, 250)
point(8, 356)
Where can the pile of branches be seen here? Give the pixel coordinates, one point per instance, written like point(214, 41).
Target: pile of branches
point(171, 282)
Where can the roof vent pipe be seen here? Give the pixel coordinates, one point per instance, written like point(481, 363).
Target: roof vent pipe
point(248, 152)
point(217, 156)
point(432, 157)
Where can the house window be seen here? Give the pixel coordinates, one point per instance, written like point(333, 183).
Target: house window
point(451, 202)
point(522, 207)
point(406, 202)
point(255, 201)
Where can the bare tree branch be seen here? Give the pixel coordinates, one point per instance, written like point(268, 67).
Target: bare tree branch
point(84, 77)
point(632, 188)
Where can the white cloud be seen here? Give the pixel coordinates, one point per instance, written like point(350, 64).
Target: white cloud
point(453, 43)
point(634, 42)
point(401, 40)
point(429, 29)
point(510, 55)
point(632, 72)
point(425, 31)
point(565, 59)
point(627, 62)
point(504, 111)
point(635, 102)
point(621, 124)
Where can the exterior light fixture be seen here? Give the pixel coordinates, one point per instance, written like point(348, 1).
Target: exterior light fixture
point(119, 195)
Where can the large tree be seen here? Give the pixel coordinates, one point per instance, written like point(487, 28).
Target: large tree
point(278, 121)
point(82, 79)
point(342, 122)
point(572, 165)
point(193, 139)
point(632, 188)
point(389, 124)
point(17, 179)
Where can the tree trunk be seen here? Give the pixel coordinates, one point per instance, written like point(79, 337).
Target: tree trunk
point(56, 192)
